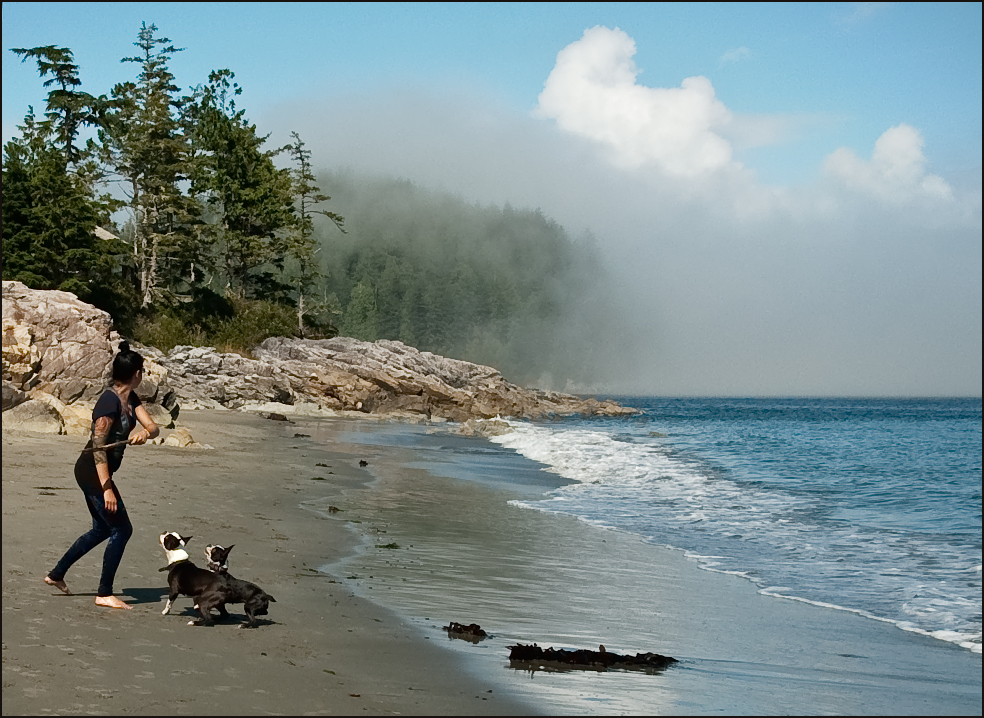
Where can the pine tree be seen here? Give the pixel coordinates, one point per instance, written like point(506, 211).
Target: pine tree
point(49, 219)
point(303, 248)
point(361, 319)
point(252, 202)
point(143, 141)
point(68, 108)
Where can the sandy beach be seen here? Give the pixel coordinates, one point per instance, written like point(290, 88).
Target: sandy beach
point(322, 650)
point(424, 534)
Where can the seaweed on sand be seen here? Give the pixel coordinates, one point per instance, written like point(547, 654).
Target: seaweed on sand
point(534, 658)
point(472, 632)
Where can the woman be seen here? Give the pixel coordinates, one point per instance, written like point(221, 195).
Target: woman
point(115, 415)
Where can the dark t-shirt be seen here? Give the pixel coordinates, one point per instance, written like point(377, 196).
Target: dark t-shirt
point(108, 404)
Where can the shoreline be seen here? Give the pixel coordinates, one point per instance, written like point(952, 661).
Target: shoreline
point(467, 550)
point(322, 649)
point(363, 591)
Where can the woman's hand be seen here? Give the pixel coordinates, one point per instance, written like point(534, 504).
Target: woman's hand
point(109, 498)
point(140, 437)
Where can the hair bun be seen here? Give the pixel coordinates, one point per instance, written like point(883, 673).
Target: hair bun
point(124, 347)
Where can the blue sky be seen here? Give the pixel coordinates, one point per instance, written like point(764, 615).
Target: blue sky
point(841, 73)
point(791, 191)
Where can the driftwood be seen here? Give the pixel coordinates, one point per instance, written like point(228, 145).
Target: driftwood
point(90, 449)
point(472, 632)
point(533, 658)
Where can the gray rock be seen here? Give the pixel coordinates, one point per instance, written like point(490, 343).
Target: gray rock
point(33, 415)
point(12, 396)
point(201, 374)
point(161, 416)
point(56, 343)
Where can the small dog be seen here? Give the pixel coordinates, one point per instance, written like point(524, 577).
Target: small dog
point(254, 599)
point(185, 578)
point(218, 558)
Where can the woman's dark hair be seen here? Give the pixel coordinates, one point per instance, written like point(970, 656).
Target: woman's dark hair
point(126, 363)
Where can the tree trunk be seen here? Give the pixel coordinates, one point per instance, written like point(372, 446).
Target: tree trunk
point(300, 314)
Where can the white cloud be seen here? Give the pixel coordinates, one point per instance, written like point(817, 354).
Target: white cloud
point(896, 171)
point(735, 54)
point(592, 92)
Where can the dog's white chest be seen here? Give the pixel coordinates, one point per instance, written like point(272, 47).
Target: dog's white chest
point(178, 554)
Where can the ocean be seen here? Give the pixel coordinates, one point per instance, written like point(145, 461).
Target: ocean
point(797, 555)
point(865, 505)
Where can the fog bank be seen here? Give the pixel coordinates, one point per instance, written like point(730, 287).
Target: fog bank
point(866, 281)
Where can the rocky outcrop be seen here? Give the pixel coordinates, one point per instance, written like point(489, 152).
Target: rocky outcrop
point(58, 351)
point(56, 343)
point(382, 377)
point(34, 415)
point(205, 378)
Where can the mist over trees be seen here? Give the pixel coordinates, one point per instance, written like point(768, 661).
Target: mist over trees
point(493, 285)
point(169, 209)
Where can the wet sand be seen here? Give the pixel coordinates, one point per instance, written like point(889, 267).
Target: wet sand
point(322, 649)
point(437, 546)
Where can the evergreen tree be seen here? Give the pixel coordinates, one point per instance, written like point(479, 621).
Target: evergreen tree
point(68, 108)
point(49, 222)
point(303, 247)
point(252, 202)
point(361, 319)
point(143, 142)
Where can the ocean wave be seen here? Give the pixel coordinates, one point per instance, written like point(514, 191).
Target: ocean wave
point(767, 536)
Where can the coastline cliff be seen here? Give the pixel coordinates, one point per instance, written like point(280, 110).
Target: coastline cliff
point(57, 351)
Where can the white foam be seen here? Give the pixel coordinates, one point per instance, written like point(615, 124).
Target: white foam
point(624, 485)
point(971, 641)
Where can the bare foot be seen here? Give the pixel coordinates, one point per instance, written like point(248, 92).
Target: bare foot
point(112, 602)
point(60, 585)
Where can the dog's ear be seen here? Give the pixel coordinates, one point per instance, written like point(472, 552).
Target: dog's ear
point(186, 539)
point(229, 549)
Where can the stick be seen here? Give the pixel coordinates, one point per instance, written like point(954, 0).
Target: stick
point(90, 449)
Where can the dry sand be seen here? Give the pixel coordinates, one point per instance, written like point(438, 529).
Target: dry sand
point(322, 649)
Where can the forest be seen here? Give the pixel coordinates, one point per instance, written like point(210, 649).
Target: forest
point(171, 211)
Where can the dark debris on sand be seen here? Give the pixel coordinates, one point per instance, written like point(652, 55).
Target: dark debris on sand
point(472, 632)
point(533, 658)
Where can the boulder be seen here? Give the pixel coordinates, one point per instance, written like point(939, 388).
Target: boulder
point(56, 343)
point(33, 415)
point(12, 396)
point(484, 427)
point(161, 416)
point(179, 437)
point(76, 418)
point(182, 438)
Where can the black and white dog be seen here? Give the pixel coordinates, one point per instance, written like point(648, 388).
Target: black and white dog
point(218, 558)
point(185, 578)
point(254, 599)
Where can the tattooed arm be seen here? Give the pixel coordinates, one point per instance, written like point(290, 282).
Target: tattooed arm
point(149, 430)
point(99, 435)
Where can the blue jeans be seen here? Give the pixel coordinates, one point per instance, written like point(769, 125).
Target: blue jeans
point(115, 527)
